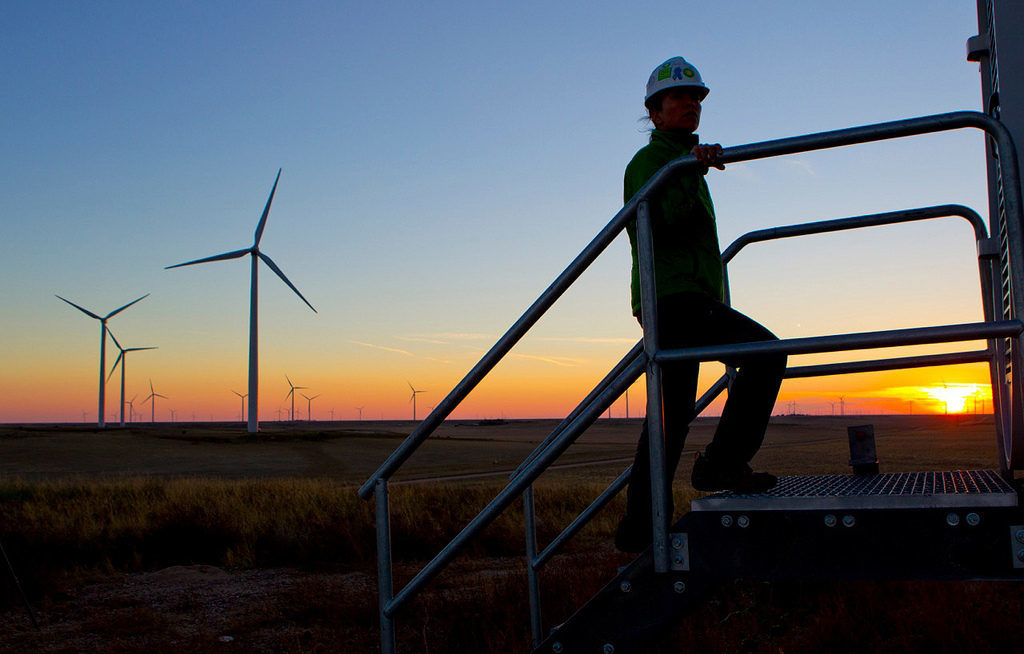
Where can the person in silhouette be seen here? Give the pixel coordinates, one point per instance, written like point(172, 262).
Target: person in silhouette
point(689, 283)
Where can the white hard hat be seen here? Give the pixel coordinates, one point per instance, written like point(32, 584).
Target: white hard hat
point(675, 72)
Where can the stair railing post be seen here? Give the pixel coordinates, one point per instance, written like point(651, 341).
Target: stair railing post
point(385, 584)
point(532, 572)
point(655, 416)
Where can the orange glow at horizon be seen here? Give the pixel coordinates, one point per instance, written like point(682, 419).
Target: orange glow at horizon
point(955, 397)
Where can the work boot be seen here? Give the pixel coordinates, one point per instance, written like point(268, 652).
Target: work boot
point(738, 478)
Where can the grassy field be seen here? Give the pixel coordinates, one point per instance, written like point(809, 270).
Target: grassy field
point(201, 537)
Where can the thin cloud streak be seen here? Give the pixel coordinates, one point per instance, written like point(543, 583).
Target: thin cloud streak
point(422, 339)
point(614, 340)
point(444, 338)
point(558, 361)
point(381, 347)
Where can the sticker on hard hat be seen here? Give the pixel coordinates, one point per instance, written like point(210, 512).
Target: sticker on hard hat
point(664, 73)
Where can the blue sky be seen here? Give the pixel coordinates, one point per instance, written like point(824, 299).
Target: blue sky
point(442, 162)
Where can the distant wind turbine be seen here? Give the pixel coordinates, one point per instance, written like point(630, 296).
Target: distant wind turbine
point(103, 348)
point(131, 408)
point(360, 410)
point(291, 394)
point(413, 399)
point(123, 360)
point(254, 252)
point(309, 406)
point(243, 402)
point(152, 401)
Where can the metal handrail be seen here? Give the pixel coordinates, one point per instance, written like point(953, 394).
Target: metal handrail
point(778, 147)
point(803, 229)
point(636, 209)
point(844, 342)
point(869, 220)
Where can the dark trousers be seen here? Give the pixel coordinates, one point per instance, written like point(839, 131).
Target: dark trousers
point(688, 320)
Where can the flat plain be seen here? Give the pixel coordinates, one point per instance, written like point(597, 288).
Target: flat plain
point(351, 451)
point(315, 590)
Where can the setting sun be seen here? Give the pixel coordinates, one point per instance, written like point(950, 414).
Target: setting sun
point(955, 397)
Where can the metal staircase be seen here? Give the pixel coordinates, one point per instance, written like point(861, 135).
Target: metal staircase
point(930, 525)
point(950, 525)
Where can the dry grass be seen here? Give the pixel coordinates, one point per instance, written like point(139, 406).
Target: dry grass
point(299, 550)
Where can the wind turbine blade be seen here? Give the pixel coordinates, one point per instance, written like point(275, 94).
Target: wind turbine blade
point(410, 386)
point(289, 381)
point(217, 257)
point(159, 395)
point(116, 361)
point(316, 396)
point(111, 334)
point(266, 212)
point(151, 391)
point(273, 266)
point(85, 311)
point(135, 349)
point(117, 311)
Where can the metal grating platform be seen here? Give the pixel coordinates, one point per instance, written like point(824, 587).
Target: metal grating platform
point(895, 490)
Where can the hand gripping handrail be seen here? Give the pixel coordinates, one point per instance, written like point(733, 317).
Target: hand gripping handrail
point(811, 142)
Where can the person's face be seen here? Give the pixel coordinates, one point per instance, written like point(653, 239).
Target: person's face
point(680, 110)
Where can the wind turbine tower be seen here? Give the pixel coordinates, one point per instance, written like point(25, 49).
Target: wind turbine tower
point(256, 255)
point(122, 358)
point(103, 349)
point(242, 414)
point(291, 394)
point(309, 406)
point(413, 399)
point(152, 401)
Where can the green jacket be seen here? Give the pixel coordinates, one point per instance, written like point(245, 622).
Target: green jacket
point(686, 253)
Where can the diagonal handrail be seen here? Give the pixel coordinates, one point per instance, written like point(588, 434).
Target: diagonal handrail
point(792, 372)
point(792, 145)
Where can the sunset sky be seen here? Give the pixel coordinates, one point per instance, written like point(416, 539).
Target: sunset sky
point(442, 163)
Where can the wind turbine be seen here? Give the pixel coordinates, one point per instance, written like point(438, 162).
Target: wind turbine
point(413, 399)
point(254, 252)
point(243, 401)
point(123, 360)
point(131, 408)
point(103, 348)
point(152, 401)
point(290, 394)
point(309, 406)
point(360, 410)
